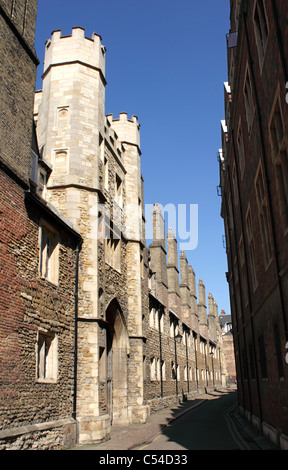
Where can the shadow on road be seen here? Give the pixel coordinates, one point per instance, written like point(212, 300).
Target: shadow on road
point(203, 427)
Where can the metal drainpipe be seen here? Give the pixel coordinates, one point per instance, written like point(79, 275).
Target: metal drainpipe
point(74, 412)
point(160, 313)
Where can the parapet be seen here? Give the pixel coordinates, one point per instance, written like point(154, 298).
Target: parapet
point(128, 130)
point(75, 48)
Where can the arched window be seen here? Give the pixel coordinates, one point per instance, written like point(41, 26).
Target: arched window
point(63, 118)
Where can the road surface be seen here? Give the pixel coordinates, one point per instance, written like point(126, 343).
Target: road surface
point(206, 427)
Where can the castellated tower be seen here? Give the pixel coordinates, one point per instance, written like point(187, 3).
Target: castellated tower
point(212, 316)
point(185, 289)
point(96, 184)
point(158, 254)
point(173, 272)
point(193, 299)
point(128, 133)
point(202, 309)
point(71, 111)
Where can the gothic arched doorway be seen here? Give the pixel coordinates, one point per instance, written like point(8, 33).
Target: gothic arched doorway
point(117, 342)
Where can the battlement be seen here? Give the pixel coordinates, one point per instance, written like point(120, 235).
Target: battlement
point(112, 138)
point(128, 130)
point(77, 47)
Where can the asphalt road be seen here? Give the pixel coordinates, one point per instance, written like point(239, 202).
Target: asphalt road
point(204, 428)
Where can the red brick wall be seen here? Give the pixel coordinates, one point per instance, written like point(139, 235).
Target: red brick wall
point(264, 397)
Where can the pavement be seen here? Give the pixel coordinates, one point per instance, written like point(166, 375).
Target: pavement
point(133, 436)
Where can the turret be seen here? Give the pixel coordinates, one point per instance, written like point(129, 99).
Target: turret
point(184, 288)
point(173, 272)
point(212, 318)
point(158, 251)
point(70, 108)
point(193, 299)
point(128, 133)
point(202, 309)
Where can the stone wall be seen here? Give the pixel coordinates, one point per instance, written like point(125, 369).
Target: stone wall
point(29, 305)
point(16, 118)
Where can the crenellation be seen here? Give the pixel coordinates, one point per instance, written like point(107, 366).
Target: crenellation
point(128, 130)
point(77, 47)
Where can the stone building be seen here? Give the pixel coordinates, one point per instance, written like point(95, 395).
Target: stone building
point(183, 347)
point(38, 252)
point(228, 346)
point(132, 308)
point(253, 181)
point(97, 184)
point(96, 328)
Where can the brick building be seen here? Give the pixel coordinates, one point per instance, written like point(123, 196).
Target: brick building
point(228, 345)
point(38, 262)
point(97, 184)
point(253, 181)
point(183, 346)
point(96, 328)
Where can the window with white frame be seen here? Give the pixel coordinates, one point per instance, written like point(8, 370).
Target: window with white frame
point(151, 317)
point(241, 151)
point(60, 161)
point(248, 100)
point(185, 374)
point(281, 168)
point(156, 324)
point(243, 271)
point(251, 248)
point(235, 185)
point(153, 370)
point(47, 357)
point(276, 129)
point(158, 369)
point(173, 370)
point(171, 328)
point(263, 216)
point(163, 367)
point(144, 368)
point(62, 118)
point(280, 156)
point(49, 253)
point(260, 29)
point(161, 321)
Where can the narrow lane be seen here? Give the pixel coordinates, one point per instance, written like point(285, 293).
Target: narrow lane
point(204, 428)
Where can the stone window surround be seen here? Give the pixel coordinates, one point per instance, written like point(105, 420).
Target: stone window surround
point(48, 253)
point(46, 356)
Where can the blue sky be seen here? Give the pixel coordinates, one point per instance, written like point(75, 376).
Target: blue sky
point(165, 63)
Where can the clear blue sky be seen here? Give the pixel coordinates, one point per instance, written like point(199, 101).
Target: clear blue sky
point(165, 63)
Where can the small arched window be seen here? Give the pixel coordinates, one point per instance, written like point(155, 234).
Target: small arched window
point(63, 118)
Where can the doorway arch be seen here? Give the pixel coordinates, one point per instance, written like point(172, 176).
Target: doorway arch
point(117, 342)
